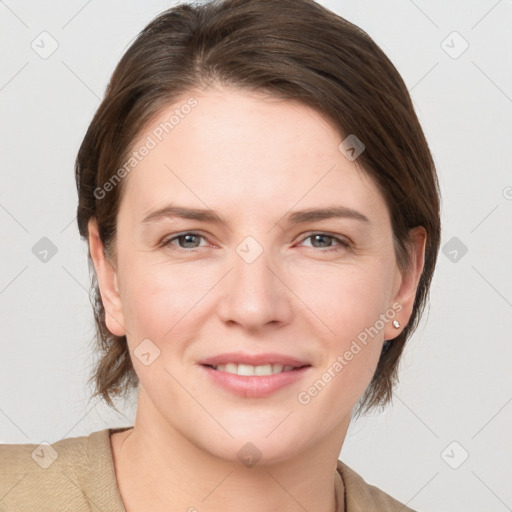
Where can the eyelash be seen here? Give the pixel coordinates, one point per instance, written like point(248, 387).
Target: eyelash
point(343, 243)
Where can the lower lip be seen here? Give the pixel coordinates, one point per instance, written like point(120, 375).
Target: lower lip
point(256, 386)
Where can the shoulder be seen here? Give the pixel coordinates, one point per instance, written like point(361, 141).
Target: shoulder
point(361, 496)
point(29, 458)
point(54, 476)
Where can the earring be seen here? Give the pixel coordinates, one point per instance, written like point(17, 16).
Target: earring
point(396, 324)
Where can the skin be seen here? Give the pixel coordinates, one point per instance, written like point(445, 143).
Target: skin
point(253, 160)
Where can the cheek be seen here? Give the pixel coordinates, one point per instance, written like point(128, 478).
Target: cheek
point(341, 300)
point(163, 301)
point(350, 310)
point(154, 301)
point(346, 300)
point(159, 307)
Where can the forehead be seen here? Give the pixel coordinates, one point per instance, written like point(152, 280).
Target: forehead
point(235, 148)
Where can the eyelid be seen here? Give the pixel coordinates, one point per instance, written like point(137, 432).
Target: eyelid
point(342, 240)
point(166, 241)
point(327, 233)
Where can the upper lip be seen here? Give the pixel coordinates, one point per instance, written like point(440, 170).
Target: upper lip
point(254, 359)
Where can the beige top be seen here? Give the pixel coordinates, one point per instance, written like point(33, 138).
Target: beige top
point(77, 475)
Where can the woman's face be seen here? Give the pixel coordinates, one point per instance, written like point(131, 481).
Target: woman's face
point(297, 289)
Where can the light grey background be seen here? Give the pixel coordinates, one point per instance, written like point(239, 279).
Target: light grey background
point(455, 374)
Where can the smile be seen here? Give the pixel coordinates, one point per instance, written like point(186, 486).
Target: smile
point(249, 370)
point(254, 381)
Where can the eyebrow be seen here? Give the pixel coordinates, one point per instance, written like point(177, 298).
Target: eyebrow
point(296, 217)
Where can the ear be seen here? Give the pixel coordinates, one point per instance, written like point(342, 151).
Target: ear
point(406, 283)
point(107, 281)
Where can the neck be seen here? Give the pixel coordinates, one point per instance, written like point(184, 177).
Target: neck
point(172, 473)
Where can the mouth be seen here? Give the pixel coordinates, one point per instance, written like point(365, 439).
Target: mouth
point(254, 376)
point(248, 370)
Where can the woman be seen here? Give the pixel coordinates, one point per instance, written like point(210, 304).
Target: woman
point(262, 213)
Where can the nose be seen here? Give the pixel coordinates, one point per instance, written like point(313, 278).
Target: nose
point(255, 293)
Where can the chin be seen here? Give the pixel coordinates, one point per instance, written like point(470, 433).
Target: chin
point(254, 446)
point(250, 454)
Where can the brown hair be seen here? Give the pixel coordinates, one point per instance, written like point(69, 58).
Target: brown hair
point(290, 49)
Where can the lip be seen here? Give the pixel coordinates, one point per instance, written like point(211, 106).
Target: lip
point(254, 359)
point(254, 386)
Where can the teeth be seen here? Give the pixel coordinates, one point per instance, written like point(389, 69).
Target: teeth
point(230, 368)
point(248, 370)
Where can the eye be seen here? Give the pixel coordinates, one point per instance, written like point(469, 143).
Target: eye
point(325, 241)
point(191, 240)
point(187, 240)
